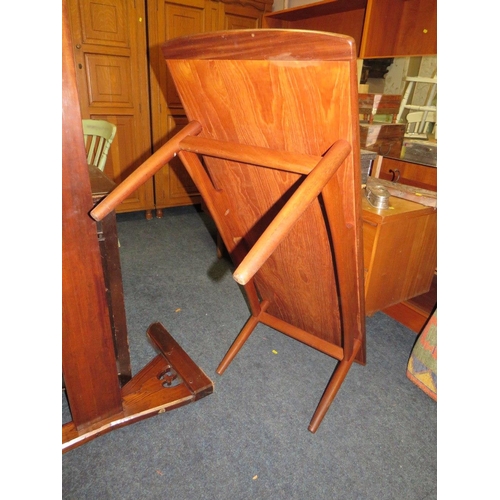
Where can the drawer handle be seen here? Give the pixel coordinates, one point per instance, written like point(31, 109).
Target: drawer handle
point(396, 174)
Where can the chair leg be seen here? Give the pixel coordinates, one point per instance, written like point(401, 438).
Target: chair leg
point(332, 388)
point(242, 337)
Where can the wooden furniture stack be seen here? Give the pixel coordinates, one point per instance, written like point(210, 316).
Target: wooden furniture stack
point(113, 40)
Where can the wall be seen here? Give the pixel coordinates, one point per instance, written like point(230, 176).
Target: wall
point(394, 81)
point(288, 4)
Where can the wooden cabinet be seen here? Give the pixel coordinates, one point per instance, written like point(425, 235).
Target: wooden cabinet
point(171, 19)
point(381, 28)
point(415, 311)
point(112, 40)
point(243, 14)
point(395, 28)
point(109, 48)
point(400, 252)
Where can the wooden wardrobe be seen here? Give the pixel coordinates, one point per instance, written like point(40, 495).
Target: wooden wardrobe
point(122, 78)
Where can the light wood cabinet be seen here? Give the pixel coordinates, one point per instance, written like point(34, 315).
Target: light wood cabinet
point(171, 19)
point(400, 252)
point(415, 311)
point(381, 28)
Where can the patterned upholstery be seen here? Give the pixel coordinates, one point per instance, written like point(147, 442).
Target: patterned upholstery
point(422, 365)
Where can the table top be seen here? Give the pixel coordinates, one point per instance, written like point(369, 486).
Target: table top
point(398, 208)
point(99, 183)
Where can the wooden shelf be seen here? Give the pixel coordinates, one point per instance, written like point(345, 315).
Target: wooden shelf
point(333, 16)
point(317, 9)
point(414, 313)
point(380, 28)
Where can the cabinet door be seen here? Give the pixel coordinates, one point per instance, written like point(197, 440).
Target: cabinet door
point(399, 28)
point(171, 19)
point(109, 46)
point(235, 17)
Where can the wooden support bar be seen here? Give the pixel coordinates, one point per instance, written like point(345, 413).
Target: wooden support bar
point(192, 375)
point(249, 327)
point(293, 209)
point(144, 172)
point(147, 394)
point(255, 155)
point(302, 336)
point(333, 387)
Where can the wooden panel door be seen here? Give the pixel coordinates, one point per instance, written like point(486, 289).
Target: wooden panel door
point(170, 19)
point(235, 17)
point(109, 47)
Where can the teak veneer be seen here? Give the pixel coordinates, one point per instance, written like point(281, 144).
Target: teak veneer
point(272, 143)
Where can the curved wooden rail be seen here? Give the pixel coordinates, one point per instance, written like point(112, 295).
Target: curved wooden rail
point(144, 172)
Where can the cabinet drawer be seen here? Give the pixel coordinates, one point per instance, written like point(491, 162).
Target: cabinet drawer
point(412, 174)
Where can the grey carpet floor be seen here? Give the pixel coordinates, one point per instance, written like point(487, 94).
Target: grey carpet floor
point(249, 439)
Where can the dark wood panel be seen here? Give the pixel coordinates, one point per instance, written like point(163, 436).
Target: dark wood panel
point(88, 360)
point(400, 28)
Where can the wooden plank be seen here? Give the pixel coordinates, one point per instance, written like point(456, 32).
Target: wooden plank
point(281, 160)
point(198, 383)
